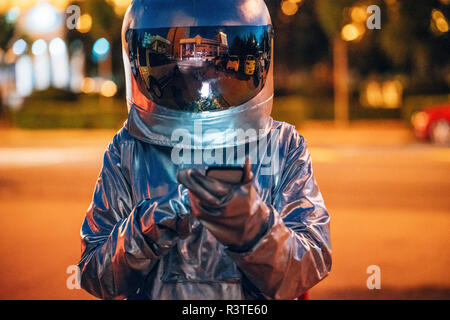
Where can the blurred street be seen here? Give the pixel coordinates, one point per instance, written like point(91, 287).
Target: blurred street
point(388, 196)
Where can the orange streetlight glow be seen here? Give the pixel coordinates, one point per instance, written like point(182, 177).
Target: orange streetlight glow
point(108, 89)
point(289, 8)
point(350, 32)
point(358, 14)
point(438, 22)
point(84, 23)
point(88, 85)
point(120, 6)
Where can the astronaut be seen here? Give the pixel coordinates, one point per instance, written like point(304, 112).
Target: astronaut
point(161, 225)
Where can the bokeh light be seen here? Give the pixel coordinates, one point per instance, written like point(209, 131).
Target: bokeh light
point(24, 76)
point(88, 85)
point(374, 94)
point(12, 15)
point(100, 49)
point(392, 94)
point(438, 22)
point(387, 94)
point(39, 47)
point(420, 120)
point(351, 32)
point(84, 23)
point(358, 14)
point(289, 8)
point(19, 47)
point(43, 18)
point(41, 65)
point(57, 46)
point(60, 63)
point(108, 89)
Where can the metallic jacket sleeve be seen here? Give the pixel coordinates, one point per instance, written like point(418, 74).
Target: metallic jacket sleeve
point(295, 254)
point(120, 245)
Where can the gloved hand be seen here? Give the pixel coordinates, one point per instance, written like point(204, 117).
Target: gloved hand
point(163, 220)
point(234, 214)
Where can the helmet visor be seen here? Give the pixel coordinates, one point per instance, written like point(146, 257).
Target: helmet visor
point(198, 69)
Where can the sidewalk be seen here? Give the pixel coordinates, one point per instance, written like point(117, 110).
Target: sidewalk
point(316, 133)
point(367, 133)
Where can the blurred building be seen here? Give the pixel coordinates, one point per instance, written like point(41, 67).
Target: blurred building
point(39, 55)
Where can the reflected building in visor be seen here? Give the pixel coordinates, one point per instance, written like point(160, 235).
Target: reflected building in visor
point(203, 48)
point(156, 43)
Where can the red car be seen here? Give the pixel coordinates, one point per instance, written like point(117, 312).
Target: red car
point(433, 124)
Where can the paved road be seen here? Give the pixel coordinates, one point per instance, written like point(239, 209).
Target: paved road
point(389, 202)
point(390, 207)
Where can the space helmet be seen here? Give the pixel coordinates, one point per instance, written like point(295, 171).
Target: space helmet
point(191, 63)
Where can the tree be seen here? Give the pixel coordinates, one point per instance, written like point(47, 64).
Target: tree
point(7, 32)
point(330, 14)
point(300, 36)
point(412, 46)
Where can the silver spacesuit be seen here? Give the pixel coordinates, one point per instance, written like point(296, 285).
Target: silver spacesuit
point(159, 228)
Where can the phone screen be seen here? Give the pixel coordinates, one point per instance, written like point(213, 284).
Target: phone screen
point(232, 175)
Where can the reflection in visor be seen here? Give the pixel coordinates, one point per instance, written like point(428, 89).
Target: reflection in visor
point(199, 69)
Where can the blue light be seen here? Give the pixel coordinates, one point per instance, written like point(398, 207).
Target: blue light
point(39, 47)
point(19, 47)
point(12, 15)
point(100, 49)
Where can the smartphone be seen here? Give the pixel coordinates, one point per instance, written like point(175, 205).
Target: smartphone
point(232, 175)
